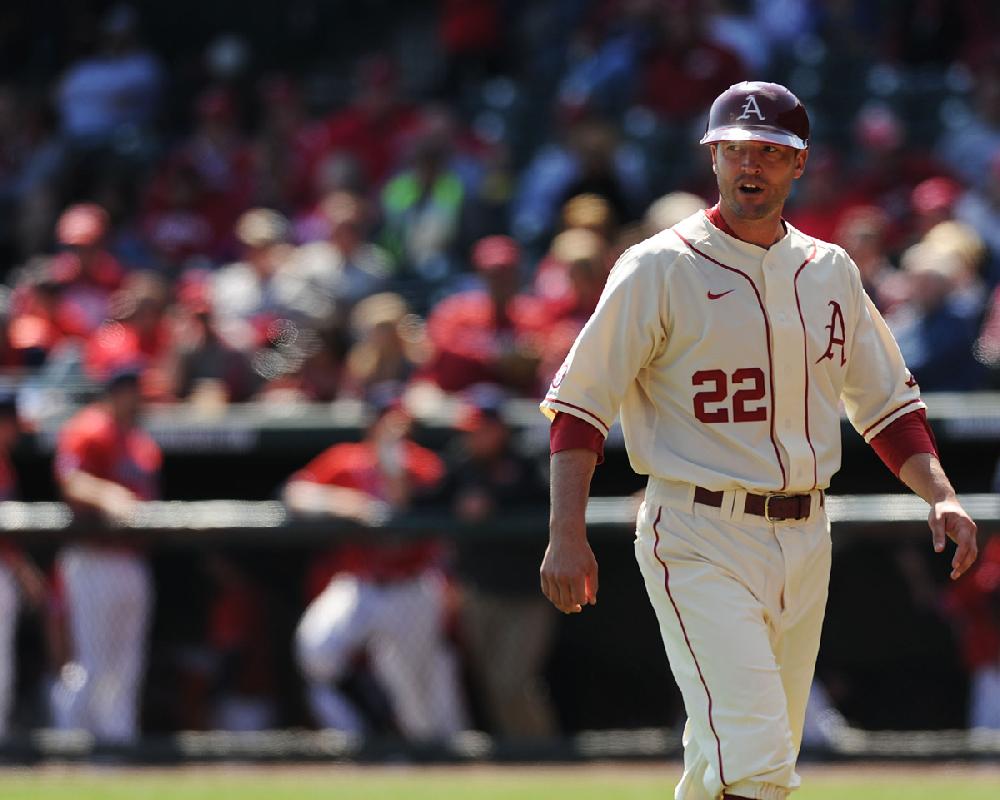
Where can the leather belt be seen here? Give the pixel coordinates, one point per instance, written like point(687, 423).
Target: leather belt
point(772, 507)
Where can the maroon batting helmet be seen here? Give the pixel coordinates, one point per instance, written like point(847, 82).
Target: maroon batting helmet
point(758, 112)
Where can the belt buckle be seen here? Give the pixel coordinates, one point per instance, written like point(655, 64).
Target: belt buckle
point(767, 505)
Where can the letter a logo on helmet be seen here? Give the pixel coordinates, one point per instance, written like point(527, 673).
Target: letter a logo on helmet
point(755, 111)
point(751, 107)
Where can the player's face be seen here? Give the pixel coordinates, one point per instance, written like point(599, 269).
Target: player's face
point(755, 178)
point(125, 402)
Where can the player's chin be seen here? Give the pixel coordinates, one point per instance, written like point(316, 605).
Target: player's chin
point(751, 206)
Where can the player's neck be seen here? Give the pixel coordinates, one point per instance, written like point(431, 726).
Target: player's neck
point(761, 232)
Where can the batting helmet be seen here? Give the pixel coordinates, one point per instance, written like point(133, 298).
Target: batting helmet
point(756, 111)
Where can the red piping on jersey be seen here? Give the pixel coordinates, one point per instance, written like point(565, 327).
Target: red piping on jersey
point(550, 399)
point(883, 419)
point(767, 332)
point(687, 641)
point(805, 357)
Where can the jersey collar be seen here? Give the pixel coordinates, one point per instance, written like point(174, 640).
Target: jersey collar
point(714, 215)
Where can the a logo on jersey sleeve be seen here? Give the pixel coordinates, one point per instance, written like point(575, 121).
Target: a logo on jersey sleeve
point(910, 380)
point(838, 334)
point(751, 107)
point(560, 374)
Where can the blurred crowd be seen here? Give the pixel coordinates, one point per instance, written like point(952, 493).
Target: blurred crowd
point(423, 216)
point(451, 217)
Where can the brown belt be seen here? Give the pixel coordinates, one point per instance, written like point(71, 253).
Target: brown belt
point(773, 507)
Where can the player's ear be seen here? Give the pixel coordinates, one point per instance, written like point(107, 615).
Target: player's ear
point(712, 148)
point(801, 156)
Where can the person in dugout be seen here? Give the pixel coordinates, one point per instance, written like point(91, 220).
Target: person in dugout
point(106, 465)
point(384, 597)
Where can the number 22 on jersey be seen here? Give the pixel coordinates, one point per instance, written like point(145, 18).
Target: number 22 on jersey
point(712, 404)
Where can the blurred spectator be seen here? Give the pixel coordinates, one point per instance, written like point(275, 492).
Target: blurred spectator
point(286, 148)
point(471, 35)
point(344, 267)
point(861, 232)
point(505, 623)
point(386, 596)
point(59, 302)
point(887, 167)
point(987, 346)
point(934, 329)
point(670, 209)
point(732, 25)
point(247, 291)
point(85, 272)
point(33, 329)
point(932, 202)
point(390, 345)
point(378, 123)
point(177, 222)
point(823, 196)
point(299, 363)
point(685, 70)
point(592, 160)
point(105, 466)
point(19, 577)
point(137, 332)
point(590, 214)
point(205, 368)
point(114, 91)
point(974, 605)
point(962, 241)
point(490, 336)
point(31, 160)
point(581, 256)
point(422, 206)
point(970, 141)
point(221, 157)
point(980, 208)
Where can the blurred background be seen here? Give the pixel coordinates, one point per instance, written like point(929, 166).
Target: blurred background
point(282, 283)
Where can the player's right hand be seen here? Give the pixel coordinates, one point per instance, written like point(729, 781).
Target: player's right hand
point(119, 504)
point(569, 575)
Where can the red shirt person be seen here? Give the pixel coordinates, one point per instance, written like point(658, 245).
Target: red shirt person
point(386, 598)
point(87, 271)
point(489, 336)
point(105, 466)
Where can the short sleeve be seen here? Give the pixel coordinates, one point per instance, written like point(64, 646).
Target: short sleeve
point(328, 468)
point(626, 331)
point(878, 388)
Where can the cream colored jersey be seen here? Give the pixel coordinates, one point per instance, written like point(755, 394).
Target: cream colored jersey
point(728, 362)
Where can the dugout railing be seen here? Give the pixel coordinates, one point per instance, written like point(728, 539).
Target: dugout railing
point(177, 530)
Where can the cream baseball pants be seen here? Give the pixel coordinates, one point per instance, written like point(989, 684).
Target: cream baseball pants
point(740, 604)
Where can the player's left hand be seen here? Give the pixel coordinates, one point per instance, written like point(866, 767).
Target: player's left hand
point(948, 520)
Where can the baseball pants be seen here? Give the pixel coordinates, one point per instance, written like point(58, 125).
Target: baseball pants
point(109, 598)
point(740, 604)
point(401, 625)
point(8, 627)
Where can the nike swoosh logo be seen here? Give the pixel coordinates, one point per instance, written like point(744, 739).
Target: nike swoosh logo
point(713, 296)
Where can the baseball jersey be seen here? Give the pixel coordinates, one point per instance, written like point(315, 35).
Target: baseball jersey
point(356, 466)
point(729, 362)
point(94, 443)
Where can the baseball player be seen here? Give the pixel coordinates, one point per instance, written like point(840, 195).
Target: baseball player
point(105, 465)
point(386, 598)
point(727, 344)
